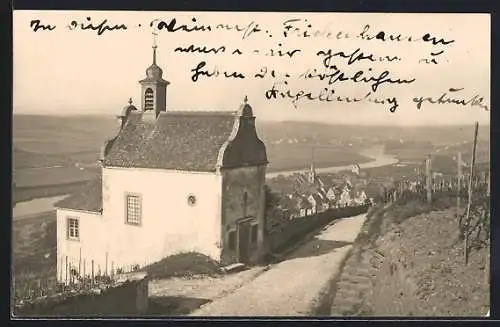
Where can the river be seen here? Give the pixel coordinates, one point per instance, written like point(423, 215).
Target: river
point(27, 209)
point(377, 154)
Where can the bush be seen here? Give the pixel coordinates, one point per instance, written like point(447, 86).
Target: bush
point(184, 265)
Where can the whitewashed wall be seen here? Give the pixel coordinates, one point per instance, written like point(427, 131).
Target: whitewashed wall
point(80, 253)
point(169, 224)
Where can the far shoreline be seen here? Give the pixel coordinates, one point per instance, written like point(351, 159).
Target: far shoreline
point(375, 158)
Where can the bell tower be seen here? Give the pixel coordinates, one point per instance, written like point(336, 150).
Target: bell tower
point(153, 88)
point(312, 171)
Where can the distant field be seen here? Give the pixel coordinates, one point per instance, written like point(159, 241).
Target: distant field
point(53, 135)
point(44, 141)
point(393, 171)
point(53, 176)
point(288, 157)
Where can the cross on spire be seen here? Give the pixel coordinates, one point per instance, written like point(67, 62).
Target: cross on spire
point(155, 45)
point(155, 38)
point(245, 100)
point(130, 101)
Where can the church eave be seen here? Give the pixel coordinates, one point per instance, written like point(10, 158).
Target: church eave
point(164, 168)
point(155, 81)
point(245, 164)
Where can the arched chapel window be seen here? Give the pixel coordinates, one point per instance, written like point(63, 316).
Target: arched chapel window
point(149, 99)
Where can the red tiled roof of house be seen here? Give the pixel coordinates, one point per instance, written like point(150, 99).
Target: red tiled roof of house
point(87, 198)
point(179, 140)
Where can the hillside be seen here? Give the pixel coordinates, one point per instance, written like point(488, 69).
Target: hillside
point(411, 263)
point(70, 141)
point(62, 135)
point(22, 159)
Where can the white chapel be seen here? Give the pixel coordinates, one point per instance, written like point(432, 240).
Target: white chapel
point(170, 182)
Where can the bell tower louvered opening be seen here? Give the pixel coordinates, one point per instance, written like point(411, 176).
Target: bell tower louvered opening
point(154, 89)
point(149, 100)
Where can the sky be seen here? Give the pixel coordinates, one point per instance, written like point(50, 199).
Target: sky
point(69, 71)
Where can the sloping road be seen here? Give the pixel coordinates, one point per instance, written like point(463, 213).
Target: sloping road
point(294, 286)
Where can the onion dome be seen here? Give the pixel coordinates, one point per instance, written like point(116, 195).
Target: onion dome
point(245, 109)
point(154, 71)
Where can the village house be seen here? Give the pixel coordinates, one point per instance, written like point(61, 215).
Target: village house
point(313, 194)
point(170, 182)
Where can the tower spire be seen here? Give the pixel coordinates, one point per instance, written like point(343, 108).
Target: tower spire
point(155, 35)
point(312, 171)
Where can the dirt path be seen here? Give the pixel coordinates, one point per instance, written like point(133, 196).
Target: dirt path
point(207, 288)
point(295, 286)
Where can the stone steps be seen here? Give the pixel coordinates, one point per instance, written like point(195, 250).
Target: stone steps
point(361, 270)
point(342, 306)
point(234, 268)
point(347, 302)
point(346, 292)
point(345, 284)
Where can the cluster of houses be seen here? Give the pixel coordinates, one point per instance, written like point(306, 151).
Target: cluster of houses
point(312, 195)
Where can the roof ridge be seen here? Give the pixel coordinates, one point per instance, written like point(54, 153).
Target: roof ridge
point(199, 112)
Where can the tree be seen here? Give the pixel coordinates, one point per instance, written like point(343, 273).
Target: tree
point(272, 199)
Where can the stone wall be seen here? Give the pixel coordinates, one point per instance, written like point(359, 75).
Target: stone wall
point(286, 232)
point(237, 206)
point(128, 297)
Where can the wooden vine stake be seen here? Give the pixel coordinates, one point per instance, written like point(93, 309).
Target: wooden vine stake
point(428, 178)
point(471, 177)
point(459, 184)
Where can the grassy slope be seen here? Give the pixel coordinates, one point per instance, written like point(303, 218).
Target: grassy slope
point(34, 248)
point(425, 239)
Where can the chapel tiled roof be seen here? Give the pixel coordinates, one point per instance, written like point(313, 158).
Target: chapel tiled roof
point(180, 140)
point(87, 198)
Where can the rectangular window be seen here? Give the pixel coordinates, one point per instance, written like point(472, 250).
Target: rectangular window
point(133, 209)
point(72, 228)
point(232, 240)
point(253, 233)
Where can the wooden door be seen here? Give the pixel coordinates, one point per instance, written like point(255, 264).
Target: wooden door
point(244, 242)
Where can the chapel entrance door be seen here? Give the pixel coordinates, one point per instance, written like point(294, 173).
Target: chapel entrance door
point(244, 241)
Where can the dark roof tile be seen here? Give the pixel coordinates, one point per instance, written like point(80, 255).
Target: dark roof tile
point(87, 198)
point(179, 140)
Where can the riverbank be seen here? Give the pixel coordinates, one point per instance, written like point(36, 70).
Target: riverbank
point(34, 207)
point(379, 159)
point(23, 194)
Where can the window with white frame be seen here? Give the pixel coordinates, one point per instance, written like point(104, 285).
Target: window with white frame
point(133, 209)
point(72, 228)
